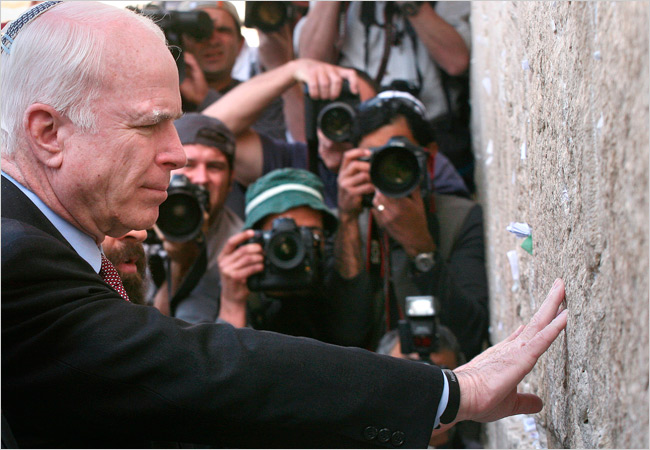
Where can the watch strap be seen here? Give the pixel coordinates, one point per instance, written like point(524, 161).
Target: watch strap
point(453, 403)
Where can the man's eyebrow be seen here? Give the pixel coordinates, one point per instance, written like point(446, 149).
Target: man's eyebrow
point(161, 116)
point(156, 117)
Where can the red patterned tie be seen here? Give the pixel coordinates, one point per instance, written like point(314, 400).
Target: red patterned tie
point(110, 276)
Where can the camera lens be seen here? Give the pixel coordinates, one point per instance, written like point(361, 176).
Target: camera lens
point(335, 121)
point(266, 16)
point(395, 171)
point(285, 250)
point(180, 217)
point(272, 14)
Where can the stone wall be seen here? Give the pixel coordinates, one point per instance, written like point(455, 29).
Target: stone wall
point(560, 120)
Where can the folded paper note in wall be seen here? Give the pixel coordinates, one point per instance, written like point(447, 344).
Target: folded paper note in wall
point(522, 230)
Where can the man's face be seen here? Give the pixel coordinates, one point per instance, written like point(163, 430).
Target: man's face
point(332, 152)
point(208, 167)
point(304, 216)
point(216, 55)
point(127, 255)
point(113, 180)
point(379, 137)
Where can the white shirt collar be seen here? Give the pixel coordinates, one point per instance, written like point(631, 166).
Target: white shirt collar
point(82, 243)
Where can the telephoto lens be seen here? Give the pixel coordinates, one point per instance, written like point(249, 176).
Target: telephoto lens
point(398, 167)
point(181, 216)
point(266, 16)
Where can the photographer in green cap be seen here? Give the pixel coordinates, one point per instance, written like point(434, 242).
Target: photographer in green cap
point(285, 253)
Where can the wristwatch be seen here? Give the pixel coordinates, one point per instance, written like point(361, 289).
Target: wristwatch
point(424, 262)
point(410, 8)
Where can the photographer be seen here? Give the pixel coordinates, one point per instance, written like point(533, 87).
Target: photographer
point(431, 243)
point(127, 254)
point(258, 154)
point(210, 150)
point(209, 64)
point(300, 295)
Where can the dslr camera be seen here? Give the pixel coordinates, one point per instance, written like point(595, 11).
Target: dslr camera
point(268, 16)
point(418, 332)
point(397, 168)
point(292, 256)
point(174, 24)
point(181, 216)
point(333, 117)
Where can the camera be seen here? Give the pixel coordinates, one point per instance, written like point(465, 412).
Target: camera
point(397, 168)
point(333, 117)
point(174, 24)
point(267, 16)
point(292, 258)
point(419, 331)
point(181, 216)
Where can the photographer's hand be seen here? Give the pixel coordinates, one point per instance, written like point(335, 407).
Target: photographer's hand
point(324, 80)
point(488, 383)
point(194, 87)
point(405, 220)
point(237, 262)
point(353, 183)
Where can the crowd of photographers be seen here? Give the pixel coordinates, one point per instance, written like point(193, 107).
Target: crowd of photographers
point(317, 200)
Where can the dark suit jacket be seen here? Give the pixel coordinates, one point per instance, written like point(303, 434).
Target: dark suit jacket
point(81, 367)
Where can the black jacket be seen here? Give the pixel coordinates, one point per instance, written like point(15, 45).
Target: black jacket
point(81, 367)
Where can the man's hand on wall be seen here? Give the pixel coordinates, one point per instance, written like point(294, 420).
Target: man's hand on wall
point(488, 383)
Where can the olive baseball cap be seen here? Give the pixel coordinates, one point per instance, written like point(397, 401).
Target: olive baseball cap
point(283, 189)
point(196, 128)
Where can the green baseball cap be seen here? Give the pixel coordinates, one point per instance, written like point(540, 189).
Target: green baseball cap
point(283, 189)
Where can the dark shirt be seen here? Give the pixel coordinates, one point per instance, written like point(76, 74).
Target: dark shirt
point(280, 154)
point(270, 121)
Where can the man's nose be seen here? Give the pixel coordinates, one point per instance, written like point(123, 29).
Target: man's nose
point(199, 175)
point(172, 155)
point(214, 37)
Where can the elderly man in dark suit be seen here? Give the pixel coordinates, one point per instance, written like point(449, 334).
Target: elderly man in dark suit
point(90, 93)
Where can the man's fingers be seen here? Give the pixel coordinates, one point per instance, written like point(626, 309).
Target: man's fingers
point(547, 312)
point(545, 337)
point(514, 335)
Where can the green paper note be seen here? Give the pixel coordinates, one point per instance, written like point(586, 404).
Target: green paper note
point(528, 244)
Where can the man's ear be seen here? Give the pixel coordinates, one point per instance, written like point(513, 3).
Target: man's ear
point(43, 127)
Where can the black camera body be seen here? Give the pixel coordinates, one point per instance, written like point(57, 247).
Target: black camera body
point(333, 117)
point(397, 168)
point(174, 24)
point(181, 216)
point(292, 258)
point(419, 331)
point(267, 16)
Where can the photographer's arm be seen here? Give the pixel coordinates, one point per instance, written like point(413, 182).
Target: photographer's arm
point(353, 182)
point(236, 263)
point(241, 106)
point(276, 49)
point(445, 45)
point(319, 37)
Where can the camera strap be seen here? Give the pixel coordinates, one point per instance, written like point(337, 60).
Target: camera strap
point(191, 279)
point(378, 249)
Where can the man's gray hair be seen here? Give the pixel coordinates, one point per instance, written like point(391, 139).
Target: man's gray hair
point(59, 59)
